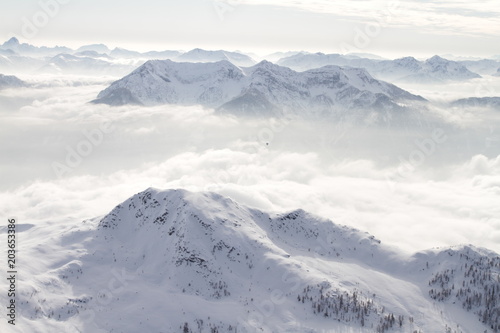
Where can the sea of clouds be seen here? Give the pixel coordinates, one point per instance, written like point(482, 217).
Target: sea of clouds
point(414, 188)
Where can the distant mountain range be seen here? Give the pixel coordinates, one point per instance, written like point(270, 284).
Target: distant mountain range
point(98, 58)
point(482, 102)
point(199, 55)
point(301, 82)
point(409, 69)
point(25, 49)
point(22, 57)
point(264, 88)
point(483, 66)
point(85, 63)
point(178, 261)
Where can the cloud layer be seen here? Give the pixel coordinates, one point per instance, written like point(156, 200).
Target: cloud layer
point(408, 188)
point(448, 17)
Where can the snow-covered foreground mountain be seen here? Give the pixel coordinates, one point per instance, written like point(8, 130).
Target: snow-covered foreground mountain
point(265, 88)
point(176, 261)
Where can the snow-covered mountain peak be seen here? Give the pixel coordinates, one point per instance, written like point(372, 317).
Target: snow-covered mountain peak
point(214, 249)
point(264, 88)
point(408, 62)
point(266, 64)
point(443, 67)
point(268, 67)
point(12, 42)
point(162, 211)
point(153, 204)
point(436, 60)
point(200, 54)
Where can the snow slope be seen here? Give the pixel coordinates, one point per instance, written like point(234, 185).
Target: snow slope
point(176, 261)
point(265, 88)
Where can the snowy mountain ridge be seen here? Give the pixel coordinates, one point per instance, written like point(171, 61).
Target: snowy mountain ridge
point(178, 261)
point(259, 89)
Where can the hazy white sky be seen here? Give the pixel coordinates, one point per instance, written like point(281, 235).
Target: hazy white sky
point(390, 28)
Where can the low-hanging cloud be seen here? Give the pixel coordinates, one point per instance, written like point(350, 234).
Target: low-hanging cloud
point(416, 214)
point(414, 190)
